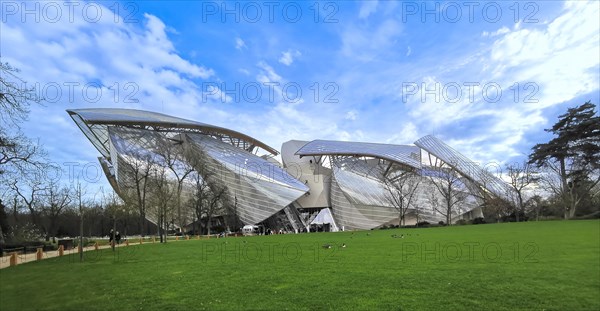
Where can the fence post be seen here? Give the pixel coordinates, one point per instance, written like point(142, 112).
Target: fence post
point(13, 259)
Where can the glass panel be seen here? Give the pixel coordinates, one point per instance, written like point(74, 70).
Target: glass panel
point(465, 166)
point(404, 154)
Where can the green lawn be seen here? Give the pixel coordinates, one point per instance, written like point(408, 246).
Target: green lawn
point(538, 265)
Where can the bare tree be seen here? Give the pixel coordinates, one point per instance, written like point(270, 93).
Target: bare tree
point(535, 204)
point(163, 192)
point(568, 193)
point(55, 200)
point(79, 193)
point(15, 96)
point(173, 153)
point(29, 193)
point(139, 172)
point(401, 188)
point(449, 185)
point(217, 200)
point(199, 197)
point(521, 177)
point(115, 208)
point(17, 152)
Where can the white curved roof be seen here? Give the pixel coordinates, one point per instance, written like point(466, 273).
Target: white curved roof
point(404, 154)
point(462, 164)
point(94, 121)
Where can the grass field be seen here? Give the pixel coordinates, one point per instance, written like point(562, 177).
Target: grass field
point(538, 265)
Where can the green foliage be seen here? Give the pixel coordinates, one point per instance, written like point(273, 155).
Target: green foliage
point(577, 136)
point(573, 155)
point(423, 224)
point(542, 265)
point(478, 221)
point(26, 232)
point(461, 222)
point(4, 228)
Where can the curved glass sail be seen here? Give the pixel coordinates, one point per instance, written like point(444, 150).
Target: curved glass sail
point(259, 187)
point(463, 165)
point(403, 154)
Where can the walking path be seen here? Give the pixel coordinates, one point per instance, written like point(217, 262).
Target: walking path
point(24, 258)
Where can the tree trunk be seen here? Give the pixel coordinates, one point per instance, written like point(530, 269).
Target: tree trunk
point(114, 232)
point(158, 229)
point(519, 206)
point(448, 213)
point(565, 186)
point(573, 207)
point(141, 226)
point(161, 228)
point(81, 233)
point(208, 226)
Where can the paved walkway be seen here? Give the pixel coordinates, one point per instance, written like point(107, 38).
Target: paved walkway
point(24, 258)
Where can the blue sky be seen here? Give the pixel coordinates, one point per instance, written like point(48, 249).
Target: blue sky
point(385, 71)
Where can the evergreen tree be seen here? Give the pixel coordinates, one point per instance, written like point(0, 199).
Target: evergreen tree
point(573, 154)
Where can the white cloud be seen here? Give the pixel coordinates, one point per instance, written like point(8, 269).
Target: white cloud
point(407, 134)
point(287, 57)
point(561, 58)
point(351, 115)
point(368, 42)
point(268, 74)
point(367, 8)
point(102, 64)
point(498, 32)
point(239, 43)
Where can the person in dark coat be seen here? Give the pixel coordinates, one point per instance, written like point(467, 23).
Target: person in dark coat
point(118, 237)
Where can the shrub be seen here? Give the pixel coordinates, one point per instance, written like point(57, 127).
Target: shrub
point(478, 221)
point(461, 222)
point(441, 223)
point(26, 232)
point(423, 224)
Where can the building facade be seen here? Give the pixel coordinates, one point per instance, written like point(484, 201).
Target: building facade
point(359, 183)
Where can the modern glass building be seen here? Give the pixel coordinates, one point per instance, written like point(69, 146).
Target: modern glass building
point(137, 147)
point(356, 180)
point(351, 179)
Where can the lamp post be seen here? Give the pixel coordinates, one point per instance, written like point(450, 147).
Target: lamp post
point(79, 197)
